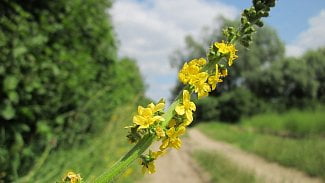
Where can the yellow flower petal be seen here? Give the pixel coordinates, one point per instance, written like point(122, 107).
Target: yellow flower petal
point(192, 106)
point(151, 168)
point(139, 120)
point(189, 115)
point(160, 132)
point(180, 110)
point(170, 132)
point(164, 144)
point(159, 107)
point(186, 95)
point(151, 106)
point(155, 155)
point(140, 109)
point(146, 112)
point(158, 118)
point(176, 143)
point(181, 130)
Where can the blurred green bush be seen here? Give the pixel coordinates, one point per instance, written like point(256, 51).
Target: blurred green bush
point(60, 77)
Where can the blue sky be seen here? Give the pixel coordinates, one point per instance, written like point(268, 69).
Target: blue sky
point(150, 30)
point(289, 17)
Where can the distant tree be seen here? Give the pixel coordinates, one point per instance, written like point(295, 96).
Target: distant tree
point(315, 61)
point(287, 83)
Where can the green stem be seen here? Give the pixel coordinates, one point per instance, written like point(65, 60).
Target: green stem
point(121, 165)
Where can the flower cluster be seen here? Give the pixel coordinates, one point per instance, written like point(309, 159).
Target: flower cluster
point(148, 121)
point(227, 50)
point(199, 76)
point(192, 74)
point(200, 79)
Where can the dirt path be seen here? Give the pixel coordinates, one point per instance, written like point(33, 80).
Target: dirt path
point(179, 167)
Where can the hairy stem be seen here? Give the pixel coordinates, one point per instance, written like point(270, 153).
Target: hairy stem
point(122, 164)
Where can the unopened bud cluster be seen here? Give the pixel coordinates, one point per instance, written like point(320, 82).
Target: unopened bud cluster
point(250, 18)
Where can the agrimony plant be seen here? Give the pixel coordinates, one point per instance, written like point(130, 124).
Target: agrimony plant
point(200, 76)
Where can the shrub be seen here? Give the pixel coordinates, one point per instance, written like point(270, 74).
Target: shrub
point(59, 77)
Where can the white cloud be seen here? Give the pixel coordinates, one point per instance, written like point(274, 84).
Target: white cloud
point(313, 37)
point(150, 30)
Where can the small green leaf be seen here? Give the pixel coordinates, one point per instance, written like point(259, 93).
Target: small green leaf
point(13, 96)
point(10, 83)
point(59, 120)
point(8, 112)
point(42, 127)
point(2, 70)
point(18, 51)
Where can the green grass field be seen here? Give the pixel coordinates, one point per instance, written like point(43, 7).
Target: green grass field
point(222, 170)
point(305, 153)
point(93, 157)
point(293, 123)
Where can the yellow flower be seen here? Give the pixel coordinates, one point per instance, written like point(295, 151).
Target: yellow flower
point(187, 73)
point(173, 139)
point(160, 132)
point(214, 80)
point(186, 107)
point(155, 155)
point(147, 116)
point(222, 47)
point(227, 49)
point(159, 107)
point(148, 167)
point(200, 85)
point(232, 54)
point(147, 161)
point(186, 122)
point(202, 89)
point(198, 62)
point(224, 72)
point(72, 177)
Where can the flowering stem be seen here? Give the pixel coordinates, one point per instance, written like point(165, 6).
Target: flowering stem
point(121, 165)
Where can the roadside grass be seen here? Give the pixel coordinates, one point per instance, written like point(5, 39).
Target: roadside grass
point(222, 170)
point(294, 123)
point(93, 157)
point(306, 154)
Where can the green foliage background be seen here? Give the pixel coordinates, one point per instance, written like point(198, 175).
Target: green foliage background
point(60, 77)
